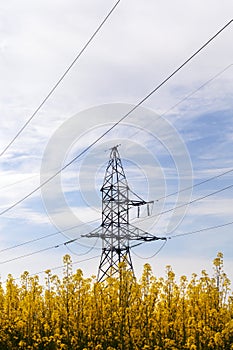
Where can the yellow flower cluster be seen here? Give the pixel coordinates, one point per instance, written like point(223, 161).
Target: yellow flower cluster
point(74, 313)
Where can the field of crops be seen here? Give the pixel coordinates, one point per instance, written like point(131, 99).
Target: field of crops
point(74, 312)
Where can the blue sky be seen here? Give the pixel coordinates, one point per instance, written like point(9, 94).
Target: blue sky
point(140, 45)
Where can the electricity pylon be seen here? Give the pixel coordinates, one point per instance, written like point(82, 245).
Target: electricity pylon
point(116, 231)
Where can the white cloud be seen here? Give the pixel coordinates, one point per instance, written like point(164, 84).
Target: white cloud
point(217, 207)
point(137, 48)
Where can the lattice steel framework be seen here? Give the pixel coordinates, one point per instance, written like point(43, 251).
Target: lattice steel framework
point(116, 232)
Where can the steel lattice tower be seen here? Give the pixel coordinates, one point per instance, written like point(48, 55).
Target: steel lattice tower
point(116, 232)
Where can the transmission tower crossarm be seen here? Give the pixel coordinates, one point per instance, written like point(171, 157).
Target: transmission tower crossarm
point(95, 233)
point(139, 200)
point(153, 238)
point(137, 203)
point(142, 235)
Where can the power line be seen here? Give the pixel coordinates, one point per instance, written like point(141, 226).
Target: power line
point(197, 199)
point(178, 69)
point(163, 114)
point(171, 108)
point(46, 236)
point(154, 254)
point(27, 242)
point(188, 203)
point(198, 89)
point(181, 235)
point(39, 251)
point(57, 267)
point(119, 121)
point(19, 181)
point(74, 240)
point(195, 185)
point(157, 252)
point(185, 234)
point(89, 222)
point(87, 252)
point(51, 247)
point(61, 78)
point(201, 230)
point(190, 94)
point(73, 263)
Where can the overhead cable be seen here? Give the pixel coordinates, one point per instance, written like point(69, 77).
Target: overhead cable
point(201, 230)
point(187, 203)
point(61, 78)
point(39, 251)
point(57, 267)
point(196, 200)
point(195, 185)
point(91, 248)
point(154, 254)
point(180, 235)
point(87, 252)
point(198, 89)
point(161, 115)
point(46, 236)
point(133, 246)
point(119, 121)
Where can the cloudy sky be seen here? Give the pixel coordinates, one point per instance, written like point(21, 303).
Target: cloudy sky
point(182, 135)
